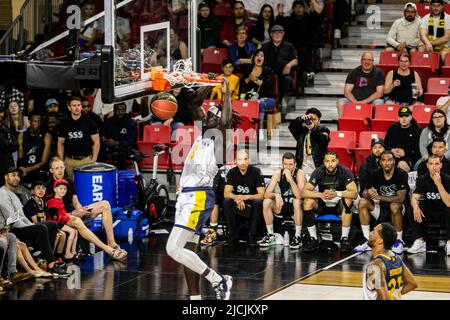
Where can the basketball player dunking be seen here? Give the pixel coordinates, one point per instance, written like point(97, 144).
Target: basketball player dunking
point(386, 276)
point(196, 200)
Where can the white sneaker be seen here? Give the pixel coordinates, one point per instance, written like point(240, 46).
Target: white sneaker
point(337, 33)
point(363, 247)
point(418, 246)
point(398, 247)
point(447, 249)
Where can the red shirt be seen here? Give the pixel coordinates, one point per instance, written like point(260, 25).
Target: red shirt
point(62, 217)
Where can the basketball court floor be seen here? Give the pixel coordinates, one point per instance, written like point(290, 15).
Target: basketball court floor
point(276, 273)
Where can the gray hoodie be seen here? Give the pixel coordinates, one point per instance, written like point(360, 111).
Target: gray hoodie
point(10, 206)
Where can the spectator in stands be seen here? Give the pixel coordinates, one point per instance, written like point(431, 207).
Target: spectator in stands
point(8, 145)
point(233, 82)
point(52, 121)
point(399, 84)
point(438, 148)
point(265, 21)
point(34, 151)
point(383, 198)
point(404, 34)
point(15, 118)
point(74, 207)
point(122, 28)
point(229, 27)
point(402, 138)
point(178, 49)
point(52, 105)
point(120, 134)
point(337, 190)
point(178, 17)
point(256, 83)
point(8, 252)
point(40, 234)
point(78, 138)
point(434, 188)
point(26, 261)
point(209, 27)
point(312, 140)
point(285, 204)
point(371, 164)
point(443, 103)
point(281, 56)
point(435, 29)
point(241, 51)
point(364, 84)
point(437, 127)
point(86, 110)
point(341, 13)
point(243, 196)
point(88, 33)
point(10, 93)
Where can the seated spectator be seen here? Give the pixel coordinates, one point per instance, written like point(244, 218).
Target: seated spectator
point(404, 32)
point(233, 80)
point(88, 33)
point(241, 51)
point(51, 105)
point(371, 163)
point(383, 198)
point(26, 261)
point(8, 145)
point(8, 249)
point(287, 203)
point(256, 83)
point(209, 27)
point(86, 109)
point(437, 127)
point(34, 151)
point(402, 138)
point(336, 192)
point(281, 56)
point(364, 84)
point(15, 118)
point(443, 104)
point(51, 127)
point(435, 29)
point(178, 49)
point(57, 212)
point(243, 196)
point(399, 84)
point(229, 27)
point(434, 187)
point(438, 148)
point(40, 234)
point(312, 140)
point(265, 21)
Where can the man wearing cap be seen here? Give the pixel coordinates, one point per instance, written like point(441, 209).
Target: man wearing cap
point(402, 138)
point(435, 29)
point(51, 105)
point(281, 56)
point(8, 145)
point(371, 164)
point(404, 32)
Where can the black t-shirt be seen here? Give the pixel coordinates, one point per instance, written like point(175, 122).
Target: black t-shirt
point(365, 84)
point(337, 181)
point(247, 183)
point(77, 135)
point(388, 188)
point(431, 197)
point(68, 198)
point(33, 148)
point(32, 208)
point(285, 187)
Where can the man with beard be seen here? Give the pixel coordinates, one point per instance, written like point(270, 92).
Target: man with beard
point(383, 196)
point(438, 148)
point(337, 190)
point(371, 164)
point(402, 138)
point(386, 276)
point(51, 126)
point(404, 32)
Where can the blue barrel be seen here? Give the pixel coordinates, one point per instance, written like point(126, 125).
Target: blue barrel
point(95, 182)
point(126, 188)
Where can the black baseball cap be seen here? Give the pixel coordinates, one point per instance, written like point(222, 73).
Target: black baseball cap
point(404, 111)
point(437, 1)
point(13, 169)
point(377, 141)
point(276, 27)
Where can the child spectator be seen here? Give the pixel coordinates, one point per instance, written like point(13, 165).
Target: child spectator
point(233, 80)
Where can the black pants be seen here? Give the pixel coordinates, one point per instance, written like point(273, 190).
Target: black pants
point(234, 220)
point(42, 235)
point(442, 217)
point(341, 13)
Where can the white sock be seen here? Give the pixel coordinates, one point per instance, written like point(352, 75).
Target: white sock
point(345, 232)
point(269, 228)
point(199, 297)
point(400, 235)
point(298, 230)
point(213, 276)
point(312, 232)
point(213, 224)
point(366, 230)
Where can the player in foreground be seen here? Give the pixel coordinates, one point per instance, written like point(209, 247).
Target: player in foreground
point(386, 276)
point(196, 200)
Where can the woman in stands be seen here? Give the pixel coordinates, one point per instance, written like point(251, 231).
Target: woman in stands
point(241, 51)
point(437, 127)
point(399, 84)
point(266, 19)
point(15, 119)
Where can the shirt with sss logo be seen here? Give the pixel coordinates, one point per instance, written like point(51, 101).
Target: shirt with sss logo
point(247, 183)
point(431, 196)
point(77, 135)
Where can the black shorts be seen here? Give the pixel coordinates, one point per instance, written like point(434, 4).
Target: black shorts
point(287, 211)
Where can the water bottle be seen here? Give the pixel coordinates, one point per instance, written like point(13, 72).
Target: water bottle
point(415, 92)
point(130, 235)
point(286, 239)
point(91, 248)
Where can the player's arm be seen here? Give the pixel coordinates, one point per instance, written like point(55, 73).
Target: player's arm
point(95, 146)
point(258, 196)
point(60, 148)
point(309, 193)
point(269, 194)
point(409, 281)
point(376, 275)
point(227, 114)
point(399, 197)
point(351, 191)
point(228, 192)
point(301, 182)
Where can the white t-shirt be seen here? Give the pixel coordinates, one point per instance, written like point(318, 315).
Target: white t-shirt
point(424, 23)
point(440, 102)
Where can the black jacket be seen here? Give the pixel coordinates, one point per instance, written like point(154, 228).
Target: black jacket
point(320, 137)
point(8, 145)
point(122, 130)
point(369, 166)
point(405, 138)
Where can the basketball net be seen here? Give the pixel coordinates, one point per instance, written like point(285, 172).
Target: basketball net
point(183, 74)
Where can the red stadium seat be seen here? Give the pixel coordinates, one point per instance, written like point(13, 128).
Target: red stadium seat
point(388, 61)
point(184, 139)
point(423, 9)
point(422, 114)
point(445, 69)
point(223, 10)
point(156, 133)
point(212, 59)
point(342, 142)
point(447, 8)
point(385, 115)
point(437, 87)
point(153, 135)
point(363, 149)
point(355, 117)
point(426, 64)
point(248, 111)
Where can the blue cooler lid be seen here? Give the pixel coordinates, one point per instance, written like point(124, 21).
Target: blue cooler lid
point(96, 167)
